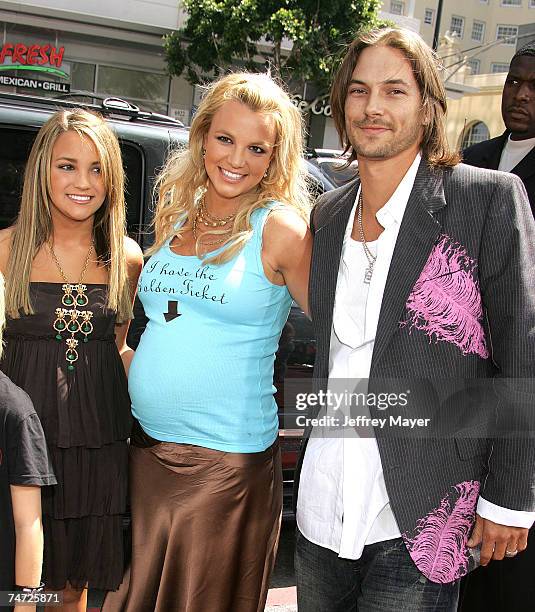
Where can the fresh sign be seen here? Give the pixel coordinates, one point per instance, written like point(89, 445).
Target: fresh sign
point(39, 58)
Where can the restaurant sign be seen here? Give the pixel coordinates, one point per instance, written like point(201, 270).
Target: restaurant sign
point(319, 106)
point(44, 59)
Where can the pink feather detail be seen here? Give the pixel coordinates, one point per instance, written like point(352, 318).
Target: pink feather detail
point(438, 547)
point(445, 302)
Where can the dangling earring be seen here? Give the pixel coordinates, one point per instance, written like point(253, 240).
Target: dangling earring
point(203, 151)
point(266, 172)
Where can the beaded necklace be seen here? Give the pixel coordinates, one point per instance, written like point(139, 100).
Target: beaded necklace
point(72, 320)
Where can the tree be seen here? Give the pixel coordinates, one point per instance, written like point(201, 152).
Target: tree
point(220, 33)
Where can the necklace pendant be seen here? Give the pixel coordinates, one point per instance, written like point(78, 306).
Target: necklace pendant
point(81, 297)
point(368, 273)
point(67, 299)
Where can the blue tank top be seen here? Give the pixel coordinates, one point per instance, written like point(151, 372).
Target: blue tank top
point(203, 371)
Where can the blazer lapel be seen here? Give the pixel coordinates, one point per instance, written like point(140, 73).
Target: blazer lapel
point(418, 233)
point(493, 160)
point(328, 242)
point(526, 167)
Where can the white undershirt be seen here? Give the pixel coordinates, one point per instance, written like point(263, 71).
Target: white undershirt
point(514, 152)
point(342, 501)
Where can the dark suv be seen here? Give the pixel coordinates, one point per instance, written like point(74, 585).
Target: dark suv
point(146, 139)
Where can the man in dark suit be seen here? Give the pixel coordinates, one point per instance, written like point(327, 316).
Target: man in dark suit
point(514, 150)
point(415, 265)
point(509, 586)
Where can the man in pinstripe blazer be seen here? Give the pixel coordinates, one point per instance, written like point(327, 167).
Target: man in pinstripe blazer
point(415, 264)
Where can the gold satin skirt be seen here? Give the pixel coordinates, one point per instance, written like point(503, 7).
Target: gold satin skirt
point(205, 528)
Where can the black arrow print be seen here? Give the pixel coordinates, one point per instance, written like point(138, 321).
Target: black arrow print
point(172, 311)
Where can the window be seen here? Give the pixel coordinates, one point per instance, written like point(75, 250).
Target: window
point(474, 65)
point(82, 76)
point(134, 173)
point(148, 90)
point(396, 7)
point(497, 67)
point(15, 145)
point(478, 132)
point(429, 16)
point(457, 25)
point(508, 33)
point(478, 31)
point(531, 3)
point(511, 2)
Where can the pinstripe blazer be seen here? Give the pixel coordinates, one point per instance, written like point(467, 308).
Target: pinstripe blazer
point(463, 268)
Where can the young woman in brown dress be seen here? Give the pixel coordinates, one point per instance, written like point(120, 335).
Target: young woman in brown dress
point(71, 275)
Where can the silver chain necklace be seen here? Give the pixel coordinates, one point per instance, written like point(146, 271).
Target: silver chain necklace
point(369, 255)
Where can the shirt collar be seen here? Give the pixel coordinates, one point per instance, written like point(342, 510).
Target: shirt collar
point(528, 144)
point(394, 209)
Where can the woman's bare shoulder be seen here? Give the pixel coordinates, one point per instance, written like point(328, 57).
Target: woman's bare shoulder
point(133, 252)
point(5, 246)
point(134, 258)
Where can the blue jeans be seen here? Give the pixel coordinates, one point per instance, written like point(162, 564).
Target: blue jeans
point(384, 579)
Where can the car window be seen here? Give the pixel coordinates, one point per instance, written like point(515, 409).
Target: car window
point(15, 145)
point(135, 179)
point(317, 182)
point(337, 171)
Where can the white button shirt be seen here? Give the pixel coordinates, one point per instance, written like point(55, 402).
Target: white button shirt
point(342, 503)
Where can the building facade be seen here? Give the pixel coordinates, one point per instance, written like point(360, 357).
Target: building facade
point(115, 49)
point(105, 48)
point(110, 49)
point(487, 31)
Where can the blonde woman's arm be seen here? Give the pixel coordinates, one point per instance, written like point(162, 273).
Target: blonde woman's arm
point(134, 262)
point(286, 253)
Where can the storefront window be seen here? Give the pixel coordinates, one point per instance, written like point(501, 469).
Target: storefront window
point(144, 88)
point(82, 76)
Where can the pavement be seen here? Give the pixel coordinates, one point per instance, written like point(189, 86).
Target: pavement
point(281, 600)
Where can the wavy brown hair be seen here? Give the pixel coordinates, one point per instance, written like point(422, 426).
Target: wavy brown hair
point(426, 69)
point(184, 177)
point(33, 227)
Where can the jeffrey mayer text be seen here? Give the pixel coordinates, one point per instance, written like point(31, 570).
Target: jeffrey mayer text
point(359, 421)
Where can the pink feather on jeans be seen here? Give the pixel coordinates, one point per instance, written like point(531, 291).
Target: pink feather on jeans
point(438, 547)
point(445, 302)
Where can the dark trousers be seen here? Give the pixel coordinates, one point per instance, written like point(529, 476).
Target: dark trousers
point(384, 579)
point(502, 586)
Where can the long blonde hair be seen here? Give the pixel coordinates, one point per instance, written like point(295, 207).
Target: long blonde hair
point(184, 175)
point(426, 69)
point(33, 227)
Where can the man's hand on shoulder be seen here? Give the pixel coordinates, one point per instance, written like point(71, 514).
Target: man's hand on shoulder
point(496, 540)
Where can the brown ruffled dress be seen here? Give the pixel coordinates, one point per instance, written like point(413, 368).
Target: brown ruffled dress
point(85, 414)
